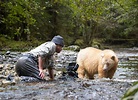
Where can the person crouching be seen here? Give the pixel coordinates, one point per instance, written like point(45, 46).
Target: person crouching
point(35, 61)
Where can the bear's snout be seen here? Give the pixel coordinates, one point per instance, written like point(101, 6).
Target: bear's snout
point(105, 67)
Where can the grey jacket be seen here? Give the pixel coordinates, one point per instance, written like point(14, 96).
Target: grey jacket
point(46, 51)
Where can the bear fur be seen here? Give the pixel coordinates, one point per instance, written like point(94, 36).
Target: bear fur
point(93, 61)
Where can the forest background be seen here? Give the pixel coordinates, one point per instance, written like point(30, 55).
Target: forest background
point(28, 23)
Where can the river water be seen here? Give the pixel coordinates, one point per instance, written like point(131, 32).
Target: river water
point(66, 87)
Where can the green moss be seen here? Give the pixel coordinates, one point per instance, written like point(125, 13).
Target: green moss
point(7, 44)
point(79, 42)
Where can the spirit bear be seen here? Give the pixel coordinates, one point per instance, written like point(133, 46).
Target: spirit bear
point(92, 61)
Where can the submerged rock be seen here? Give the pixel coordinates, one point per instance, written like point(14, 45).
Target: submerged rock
point(7, 82)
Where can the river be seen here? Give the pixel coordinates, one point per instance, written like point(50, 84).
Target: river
point(66, 87)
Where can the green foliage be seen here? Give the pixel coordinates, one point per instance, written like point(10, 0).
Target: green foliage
point(8, 44)
point(79, 42)
point(78, 21)
point(72, 48)
point(18, 17)
point(131, 93)
point(2, 41)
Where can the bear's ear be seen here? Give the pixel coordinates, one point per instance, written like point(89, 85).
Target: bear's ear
point(113, 57)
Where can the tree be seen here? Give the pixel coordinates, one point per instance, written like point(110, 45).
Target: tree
point(78, 21)
point(18, 18)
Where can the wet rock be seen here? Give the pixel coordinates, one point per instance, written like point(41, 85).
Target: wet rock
point(8, 52)
point(6, 83)
point(66, 57)
point(10, 77)
point(1, 83)
point(1, 67)
point(3, 77)
point(17, 79)
point(86, 85)
point(1, 89)
point(29, 79)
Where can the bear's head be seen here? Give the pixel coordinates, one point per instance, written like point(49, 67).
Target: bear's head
point(108, 59)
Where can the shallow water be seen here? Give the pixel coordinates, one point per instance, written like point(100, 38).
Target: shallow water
point(70, 88)
point(128, 64)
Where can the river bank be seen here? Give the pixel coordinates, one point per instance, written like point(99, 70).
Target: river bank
point(66, 87)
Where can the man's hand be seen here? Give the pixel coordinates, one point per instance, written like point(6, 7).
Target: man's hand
point(41, 74)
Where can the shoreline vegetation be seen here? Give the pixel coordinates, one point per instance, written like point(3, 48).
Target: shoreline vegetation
point(102, 24)
point(12, 45)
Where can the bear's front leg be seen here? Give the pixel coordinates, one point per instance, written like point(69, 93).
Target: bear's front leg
point(111, 72)
point(102, 73)
point(81, 72)
point(89, 75)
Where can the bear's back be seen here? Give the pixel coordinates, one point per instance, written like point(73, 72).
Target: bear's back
point(88, 54)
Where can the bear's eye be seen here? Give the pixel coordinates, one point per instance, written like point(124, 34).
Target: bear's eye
point(113, 57)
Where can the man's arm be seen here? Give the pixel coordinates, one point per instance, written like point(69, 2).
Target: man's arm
point(51, 73)
point(40, 66)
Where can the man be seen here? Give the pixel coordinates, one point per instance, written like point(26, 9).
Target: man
point(32, 63)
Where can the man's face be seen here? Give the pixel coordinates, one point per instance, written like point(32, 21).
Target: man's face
point(58, 48)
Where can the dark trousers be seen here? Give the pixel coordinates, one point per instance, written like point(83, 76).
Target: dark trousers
point(27, 66)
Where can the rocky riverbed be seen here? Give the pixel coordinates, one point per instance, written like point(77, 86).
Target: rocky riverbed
point(66, 87)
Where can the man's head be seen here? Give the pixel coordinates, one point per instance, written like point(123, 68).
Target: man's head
point(58, 40)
